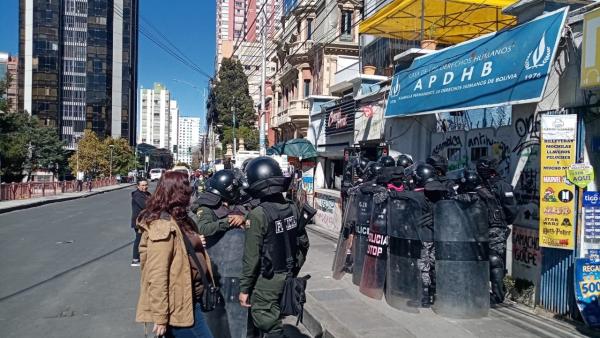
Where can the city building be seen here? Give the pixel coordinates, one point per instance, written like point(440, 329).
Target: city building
point(9, 64)
point(78, 66)
point(189, 138)
point(239, 27)
point(155, 117)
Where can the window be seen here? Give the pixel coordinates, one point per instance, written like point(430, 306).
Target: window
point(306, 88)
point(346, 24)
point(309, 29)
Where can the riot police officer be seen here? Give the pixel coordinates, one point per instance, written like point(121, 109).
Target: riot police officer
point(373, 170)
point(425, 175)
point(441, 187)
point(221, 221)
point(265, 262)
point(502, 210)
point(387, 161)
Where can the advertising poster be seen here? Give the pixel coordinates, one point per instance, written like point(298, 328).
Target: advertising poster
point(591, 223)
point(587, 290)
point(557, 195)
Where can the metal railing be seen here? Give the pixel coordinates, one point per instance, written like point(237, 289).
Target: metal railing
point(20, 191)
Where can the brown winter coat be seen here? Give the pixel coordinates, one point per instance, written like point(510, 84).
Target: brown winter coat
point(166, 282)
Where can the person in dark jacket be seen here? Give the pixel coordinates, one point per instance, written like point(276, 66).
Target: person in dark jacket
point(138, 203)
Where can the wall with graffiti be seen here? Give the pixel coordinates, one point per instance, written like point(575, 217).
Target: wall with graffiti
point(515, 146)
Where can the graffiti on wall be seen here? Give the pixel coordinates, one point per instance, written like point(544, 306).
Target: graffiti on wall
point(329, 213)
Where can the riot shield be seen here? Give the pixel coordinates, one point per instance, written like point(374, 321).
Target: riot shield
point(342, 261)
point(364, 203)
point(403, 287)
point(372, 281)
point(462, 266)
point(226, 251)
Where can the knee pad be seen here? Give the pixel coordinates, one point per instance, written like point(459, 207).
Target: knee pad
point(496, 262)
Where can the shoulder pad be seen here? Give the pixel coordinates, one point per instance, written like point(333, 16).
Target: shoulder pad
point(208, 199)
point(160, 230)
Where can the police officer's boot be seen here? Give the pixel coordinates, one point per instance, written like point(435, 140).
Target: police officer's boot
point(348, 263)
point(432, 294)
point(425, 298)
point(497, 279)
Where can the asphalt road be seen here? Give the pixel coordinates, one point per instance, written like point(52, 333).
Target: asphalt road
point(65, 271)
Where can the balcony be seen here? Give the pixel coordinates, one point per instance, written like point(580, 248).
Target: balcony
point(296, 112)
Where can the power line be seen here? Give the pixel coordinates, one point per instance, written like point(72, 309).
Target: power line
point(239, 42)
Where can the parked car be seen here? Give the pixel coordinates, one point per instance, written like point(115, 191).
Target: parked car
point(156, 173)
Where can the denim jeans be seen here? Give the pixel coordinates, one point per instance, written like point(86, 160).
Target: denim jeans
point(136, 245)
point(198, 330)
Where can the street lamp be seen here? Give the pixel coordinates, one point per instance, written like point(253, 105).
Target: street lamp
point(111, 153)
point(233, 133)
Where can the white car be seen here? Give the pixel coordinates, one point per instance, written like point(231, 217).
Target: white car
point(156, 174)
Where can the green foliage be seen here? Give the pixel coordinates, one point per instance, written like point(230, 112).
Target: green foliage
point(27, 145)
point(123, 157)
point(95, 156)
point(231, 91)
point(250, 136)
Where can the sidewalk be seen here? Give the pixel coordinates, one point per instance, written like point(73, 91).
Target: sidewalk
point(337, 309)
point(12, 205)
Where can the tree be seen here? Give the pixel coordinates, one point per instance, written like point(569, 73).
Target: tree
point(46, 150)
point(123, 157)
point(231, 91)
point(91, 155)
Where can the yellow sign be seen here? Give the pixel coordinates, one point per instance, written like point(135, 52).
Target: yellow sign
point(580, 174)
point(558, 152)
point(590, 57)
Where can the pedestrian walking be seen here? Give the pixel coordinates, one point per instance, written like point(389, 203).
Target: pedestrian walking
point(80, 178)
point(174, 279)
point(276, 245)
point(89, 182)
point(138, 203)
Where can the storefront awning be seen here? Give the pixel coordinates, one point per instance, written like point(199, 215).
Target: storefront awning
point(447, 21)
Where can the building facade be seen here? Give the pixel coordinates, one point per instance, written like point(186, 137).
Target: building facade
point(155, 117)
point(174, 128)
point(189, 138)
point(78, 66)
point(9, 65)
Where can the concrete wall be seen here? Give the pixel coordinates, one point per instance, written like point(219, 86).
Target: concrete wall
point(329, 210)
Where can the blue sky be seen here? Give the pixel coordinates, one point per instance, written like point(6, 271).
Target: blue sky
point(188, 24)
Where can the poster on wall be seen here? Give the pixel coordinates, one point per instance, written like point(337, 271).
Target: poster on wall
point(557, 203)
point(587, 290)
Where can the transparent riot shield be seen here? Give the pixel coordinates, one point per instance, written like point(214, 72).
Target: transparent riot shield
point(226, 251)
point(374, 267)
point(462, 267)
point(361, 231)
point(403, 288)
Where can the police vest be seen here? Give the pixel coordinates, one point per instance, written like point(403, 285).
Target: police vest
point(496, 218)
point(273, 258)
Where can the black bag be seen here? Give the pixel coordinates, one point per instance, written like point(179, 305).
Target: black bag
point(293, 296)
point(210, 297)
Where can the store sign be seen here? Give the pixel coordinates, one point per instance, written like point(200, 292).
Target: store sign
point(587, 290)
point(590, 58)
point(527, 256)
point(580, 174)
point(340, 117)
point(591, 216)
point(557, 204)
point(368, 121)
point(502, 68)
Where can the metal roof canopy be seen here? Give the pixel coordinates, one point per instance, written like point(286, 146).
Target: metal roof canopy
point(447, 21)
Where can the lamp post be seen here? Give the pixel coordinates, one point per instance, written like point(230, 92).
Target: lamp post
point(233, 133)
point(111, 154)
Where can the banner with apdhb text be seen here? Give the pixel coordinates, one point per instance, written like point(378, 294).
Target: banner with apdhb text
point(502, 68)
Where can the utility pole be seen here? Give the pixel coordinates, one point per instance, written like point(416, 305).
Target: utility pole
point(263, 75)
point(233, 132)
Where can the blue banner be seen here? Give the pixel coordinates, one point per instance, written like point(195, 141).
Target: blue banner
point(591, 199)
point(502, 68)
point(587, 290)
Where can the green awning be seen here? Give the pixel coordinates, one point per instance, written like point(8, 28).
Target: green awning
point(298, 147)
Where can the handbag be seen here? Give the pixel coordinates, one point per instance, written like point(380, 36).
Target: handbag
point(293, 296)
point(210, 297)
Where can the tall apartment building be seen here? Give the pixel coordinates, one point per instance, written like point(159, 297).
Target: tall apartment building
point(189, 137)
point(78, 65)
point(174, 128)
point(9, 64)
point(155, 117)
point(239, 27)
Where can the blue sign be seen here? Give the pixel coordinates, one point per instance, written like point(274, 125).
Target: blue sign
point(591, 199)
point(502, 68)
point(587, 290)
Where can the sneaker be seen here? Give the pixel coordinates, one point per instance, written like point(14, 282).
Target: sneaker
point(135, 262)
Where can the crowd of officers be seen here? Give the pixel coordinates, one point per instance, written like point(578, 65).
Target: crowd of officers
point(428, 182)
point(243, 215)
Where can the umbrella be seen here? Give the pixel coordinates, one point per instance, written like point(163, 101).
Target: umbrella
point(299, 147)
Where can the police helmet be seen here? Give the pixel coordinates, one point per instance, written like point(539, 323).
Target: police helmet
point(424, 173)
point(240, 176)
point(224, 183)
point(387, 161)
point(404, 160)
point(373, 170)
point(361, 164)
point(265, 177)
point(469, 180)
point(439, 162)
point(245, 163)
point(486, 167)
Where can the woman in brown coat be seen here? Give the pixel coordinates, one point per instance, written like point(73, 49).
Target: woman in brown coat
point(171, 284)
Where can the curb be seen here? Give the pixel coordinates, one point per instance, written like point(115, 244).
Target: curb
point(55, 200)
point(321, 324)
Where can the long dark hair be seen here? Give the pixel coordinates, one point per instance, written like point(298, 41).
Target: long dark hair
point(172, 196)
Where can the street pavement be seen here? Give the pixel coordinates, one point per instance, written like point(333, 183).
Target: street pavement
point(65, 270)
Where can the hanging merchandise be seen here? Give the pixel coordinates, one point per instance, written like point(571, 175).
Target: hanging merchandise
point(557, 203)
